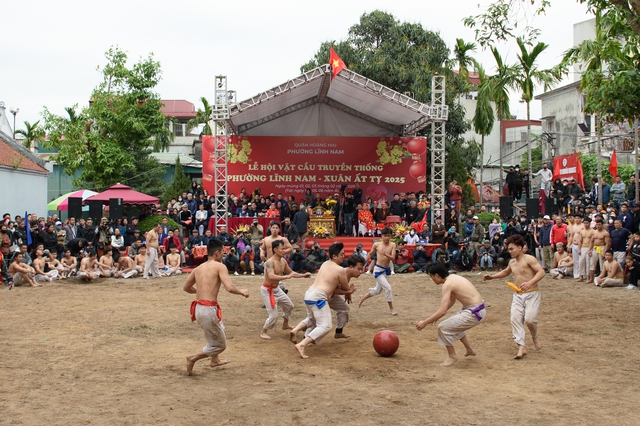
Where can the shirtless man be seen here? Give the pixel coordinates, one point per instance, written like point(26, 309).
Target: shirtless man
point(21, 272)
point(173, 261)
point(69, 263)
point(330, 277)
point(562, 263)
point(126, 266)
point(54, 263)
point(266, 248)
point(140, 259)
point(385, 252)
point(600, 243)
point(473, 312)
point(39, 265)
point(271, 293)
point(339, 302)
point(89, 269)
point(107, 265)
point(526, 302)
point(586, 255)
point(205, 282)
point(573, 242)
point(151, 264)
point(611, 275)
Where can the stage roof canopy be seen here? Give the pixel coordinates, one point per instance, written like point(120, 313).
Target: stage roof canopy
point(315, 105)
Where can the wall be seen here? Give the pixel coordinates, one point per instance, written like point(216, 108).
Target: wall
point(22, 191)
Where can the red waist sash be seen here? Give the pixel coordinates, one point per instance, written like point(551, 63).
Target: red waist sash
point(205, 303)
point(272, 298)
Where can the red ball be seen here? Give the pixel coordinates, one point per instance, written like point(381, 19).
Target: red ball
point(386, 343)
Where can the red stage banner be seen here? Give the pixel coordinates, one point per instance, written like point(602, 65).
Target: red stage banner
point(568, 167)
point(289, 165)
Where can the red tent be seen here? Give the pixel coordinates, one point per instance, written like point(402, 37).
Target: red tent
point(128, 195)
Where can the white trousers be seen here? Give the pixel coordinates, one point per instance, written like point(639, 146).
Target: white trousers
point(454, 328)
point(151, 263)
point(338, 304)
point(318, 319)
point(207, 317)
point(524, 311)
point(381, 284)
point(282, 300)
point(575, 253)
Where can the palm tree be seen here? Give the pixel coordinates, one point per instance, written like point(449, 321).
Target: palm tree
point(527, 75)
point(164, 138)
point(461, 53)
point(484, 116)
point(202, 116)
point(32, 134)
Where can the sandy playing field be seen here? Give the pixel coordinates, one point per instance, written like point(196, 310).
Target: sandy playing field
point(113, 353)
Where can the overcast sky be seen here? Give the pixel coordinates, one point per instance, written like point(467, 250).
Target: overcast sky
point(50, 49)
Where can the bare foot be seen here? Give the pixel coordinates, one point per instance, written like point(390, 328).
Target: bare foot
point(190, 363)
point(219, 362)
point(521, 353)
point(265, 336)
point(300, 350)
point(292, 337)
point(341, 336)
point(449, 361)
point(286, 327)
point(537, 343)
point(579, 280)
point(393, 312)
point(470, 353)
point(362, 299)
point(35, 285)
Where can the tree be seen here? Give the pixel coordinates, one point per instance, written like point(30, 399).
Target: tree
point(404, 57)
point(484, 116)
point(109, 140)
point(461, 54)
point(203, 116)
point(181, 183)
point(164, 138)
point(32, 134)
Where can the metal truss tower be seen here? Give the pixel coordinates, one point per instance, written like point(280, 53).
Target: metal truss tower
point(220, 114)
point(438, 137)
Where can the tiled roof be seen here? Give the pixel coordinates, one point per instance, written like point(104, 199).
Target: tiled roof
point(178, 108)
point(18, 157)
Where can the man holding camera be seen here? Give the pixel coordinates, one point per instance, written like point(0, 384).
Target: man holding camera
point(256, 233)
point(316, 257)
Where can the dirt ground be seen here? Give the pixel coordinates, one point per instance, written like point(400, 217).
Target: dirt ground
point(113, 353)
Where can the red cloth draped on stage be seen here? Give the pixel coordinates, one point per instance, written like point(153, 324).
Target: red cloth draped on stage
point(542, 196)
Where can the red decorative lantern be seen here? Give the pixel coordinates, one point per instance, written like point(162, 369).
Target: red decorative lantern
point(418, 170)
point(417, 147)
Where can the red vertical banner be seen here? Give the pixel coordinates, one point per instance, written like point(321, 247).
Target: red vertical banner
point(289, 165)
point(568, 167)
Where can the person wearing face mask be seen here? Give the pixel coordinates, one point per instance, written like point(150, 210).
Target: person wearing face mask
point(546, 175)
point(411, 238)
point(517, 181)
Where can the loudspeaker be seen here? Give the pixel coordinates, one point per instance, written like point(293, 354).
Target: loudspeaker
point(533, 208)
point(506, 207)
point(95, 210)
point(75, 207)
point(115, 208)
point(550, 206)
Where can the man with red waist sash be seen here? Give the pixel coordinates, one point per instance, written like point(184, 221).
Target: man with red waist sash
point(271, 292)
point(205, 282)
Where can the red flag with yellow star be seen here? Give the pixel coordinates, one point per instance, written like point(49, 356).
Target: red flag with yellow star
point(336, 63)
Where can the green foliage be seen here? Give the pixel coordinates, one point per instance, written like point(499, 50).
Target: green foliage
point(485, 219)
point(149, 221)
point(590, 169)
point(164, 138)
point(462, 157)
point(536, 158)
point(109, 139)
point(181, 183)
point(203, 116)
point(402, 56)
point(32, 134)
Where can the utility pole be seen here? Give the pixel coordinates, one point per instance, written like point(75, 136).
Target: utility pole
point(597, 127)
point(635, 159)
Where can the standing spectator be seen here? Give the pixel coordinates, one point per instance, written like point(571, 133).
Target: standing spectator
point(256, 234)
point(477, 236)
point(301, 220)
point(620, 238)
point(494, 228)
point(510, 180)
point(558, 232)
point(618, 192)
point(411, 212)
point(455, 194)
point(290, 232)
point(606, 193)
point(397, 206)
point(438, 231)
point(546, 175)
point(347, 213)
point(357, 194)
point(526, 183)
point(517, 183)
point(631, 191)
point(71, 230)
point(625, 216)
point(544, 241)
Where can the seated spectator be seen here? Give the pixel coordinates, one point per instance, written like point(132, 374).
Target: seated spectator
point(202, 219)
point(224, 236)
point(633, 272)
point(611, 275)
point(272, 211)
point(425, 234)
point(246, 261)
point(360, 251)
point(316, 257)
point(258, 261)
point(441, 255)
point(401, 264)
point(298, 262)
point(420, 258)
point(232, 261)
point(487, 255)
point(562, 263)
point(240, 242)
point(464, 261)
point(411, 238)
